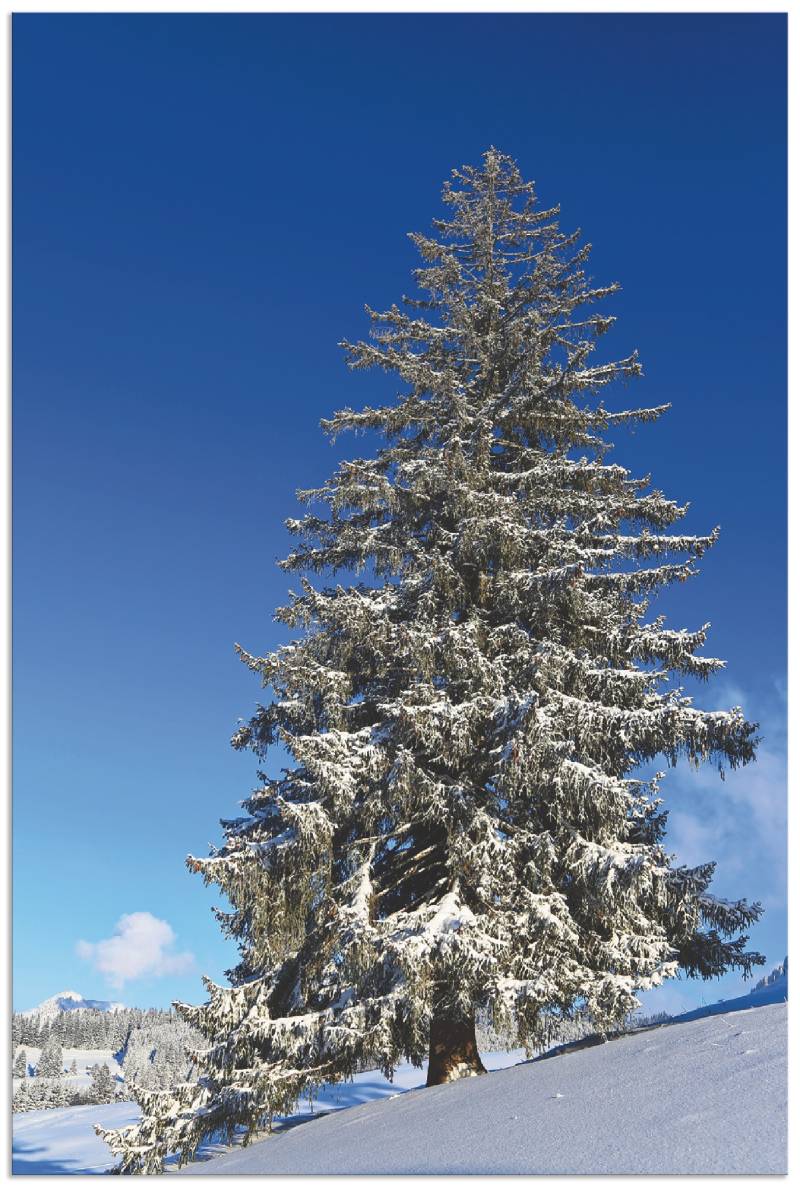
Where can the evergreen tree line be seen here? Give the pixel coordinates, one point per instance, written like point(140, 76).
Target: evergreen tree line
point(89, 1030)
point(55, 1091)
point(153, 1056)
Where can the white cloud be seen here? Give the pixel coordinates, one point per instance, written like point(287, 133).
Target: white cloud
point(141, 946)
point(741, 822)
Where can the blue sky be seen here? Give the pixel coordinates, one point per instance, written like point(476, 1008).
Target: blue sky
point(202, 205)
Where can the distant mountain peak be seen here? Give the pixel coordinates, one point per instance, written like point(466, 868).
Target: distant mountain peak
point(70, 999)
point(779, 974)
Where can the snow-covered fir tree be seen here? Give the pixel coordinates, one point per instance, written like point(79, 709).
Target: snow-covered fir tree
point(21, 1063)
point(51, 1061)
point(461, 825)
point(20, 1100)
point(103, 1086)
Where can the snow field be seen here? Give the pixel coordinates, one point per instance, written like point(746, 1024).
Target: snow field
point(63, 1141)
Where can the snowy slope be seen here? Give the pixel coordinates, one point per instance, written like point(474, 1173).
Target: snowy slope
point(701, 1097)
point(714, 1089)
point(63, 1141)
point(68, 999)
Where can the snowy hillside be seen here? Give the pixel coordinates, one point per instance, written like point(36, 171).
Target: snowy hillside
point(63, 1141)
point(701, 1097)
point(704, 1096)
point(68, 999)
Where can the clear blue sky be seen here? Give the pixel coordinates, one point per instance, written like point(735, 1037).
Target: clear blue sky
point(202, 205)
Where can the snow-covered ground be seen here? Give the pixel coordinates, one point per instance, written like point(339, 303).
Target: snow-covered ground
point(702, 1097)
point(63, 1141)
point(698, 1096)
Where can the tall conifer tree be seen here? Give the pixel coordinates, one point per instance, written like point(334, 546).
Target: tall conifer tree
point(461, 825)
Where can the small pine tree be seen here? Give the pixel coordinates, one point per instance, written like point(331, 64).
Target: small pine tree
point(51, 1061)
point(462, 826)
point(20, 1101)
point(103, 1087)
point(59, 1094)
point(21, 1063)
point(73, 1068)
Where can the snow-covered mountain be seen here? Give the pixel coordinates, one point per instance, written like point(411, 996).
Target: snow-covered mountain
point(778, 979)
point(68, 999)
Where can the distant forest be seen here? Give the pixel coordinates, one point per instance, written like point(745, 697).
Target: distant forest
point(92, 1030)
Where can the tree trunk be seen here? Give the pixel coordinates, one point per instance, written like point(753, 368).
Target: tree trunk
point(453, 1050)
